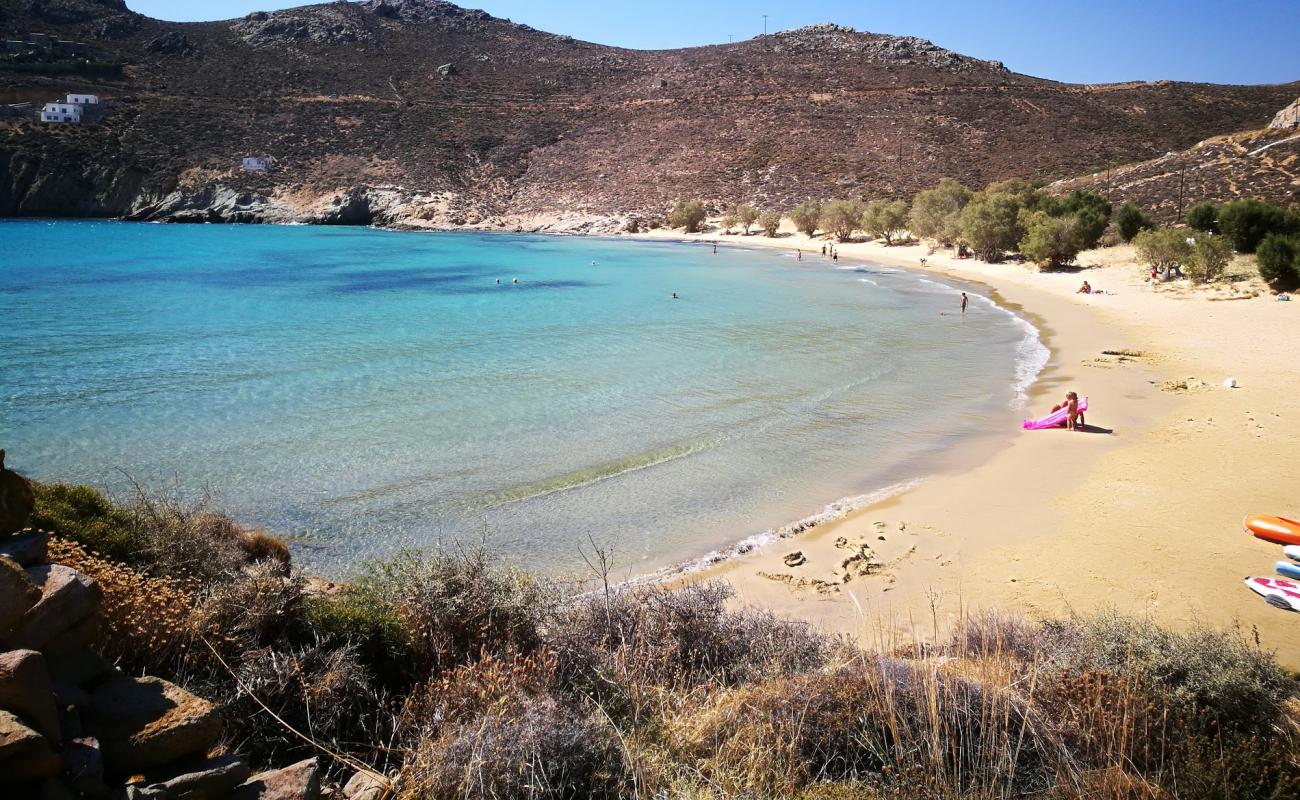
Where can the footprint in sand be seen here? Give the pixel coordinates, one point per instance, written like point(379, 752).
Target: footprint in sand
point(821, 586)
point(860, 562)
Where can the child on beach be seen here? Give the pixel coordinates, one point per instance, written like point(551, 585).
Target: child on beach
point(1074, 417)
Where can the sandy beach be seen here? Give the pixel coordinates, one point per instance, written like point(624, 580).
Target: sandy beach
point(1142, 513)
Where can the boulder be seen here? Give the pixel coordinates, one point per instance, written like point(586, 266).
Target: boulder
point(28, 547)
point(67, 598)
point(25, 690)
point(17, 595)
point(147, 722)
point(25, 755)
point(16, 499)
point(299, 781)
point(213, 778)
point(366, 786)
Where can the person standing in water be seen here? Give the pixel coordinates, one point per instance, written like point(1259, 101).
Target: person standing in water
point(964, 302)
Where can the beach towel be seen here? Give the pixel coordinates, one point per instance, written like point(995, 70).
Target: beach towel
point(1054, 419)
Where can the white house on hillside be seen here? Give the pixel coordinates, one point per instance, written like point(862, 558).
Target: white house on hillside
point(255, 164)
point(61, 112)
point(70, 111)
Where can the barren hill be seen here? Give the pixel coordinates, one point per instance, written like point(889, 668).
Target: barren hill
point(1262, 164)
point(420, 111)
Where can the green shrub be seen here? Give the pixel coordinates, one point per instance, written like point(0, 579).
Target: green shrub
point(688, 214)
point(1092, 214)
point(86, 516)
point(1050, 240)
point(806, 217)
point(359, 617)
point(163, 535)
point(1210, 255)
point(770, 222)
point(1247, 222)
point(1279, 260)
point(1203, 217)
point(1130, 221)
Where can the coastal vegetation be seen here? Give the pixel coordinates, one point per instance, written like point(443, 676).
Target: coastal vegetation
point(459, 675)
point(1016, 217)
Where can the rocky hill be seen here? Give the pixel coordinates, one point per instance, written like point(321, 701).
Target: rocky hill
point(421, 112)
point(1262, 164)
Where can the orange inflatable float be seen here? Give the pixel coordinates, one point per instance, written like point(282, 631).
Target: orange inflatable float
point(1279, 530)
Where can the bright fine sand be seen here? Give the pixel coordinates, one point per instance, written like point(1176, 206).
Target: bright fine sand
point(1141, 514)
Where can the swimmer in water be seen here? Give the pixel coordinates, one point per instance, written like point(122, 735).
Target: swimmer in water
point(514, 280)
point(964, 301)
point(675, 296)
point(498, 281)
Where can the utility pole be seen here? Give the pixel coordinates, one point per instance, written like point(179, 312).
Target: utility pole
point(1182, 176)
point(764, 24)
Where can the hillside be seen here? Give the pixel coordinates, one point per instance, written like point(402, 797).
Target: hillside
point(1262, 164)
point(349, 102)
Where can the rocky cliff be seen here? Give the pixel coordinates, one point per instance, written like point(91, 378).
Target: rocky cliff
point(421, 112)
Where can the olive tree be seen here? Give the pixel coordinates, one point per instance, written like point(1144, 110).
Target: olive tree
point(885, 219)
point(842, 218)
point(770, 222)
point(936, 213)
point(990, 224)
point(746, 215)
point(688, 214)
point(1163, 249)
point(806, 217)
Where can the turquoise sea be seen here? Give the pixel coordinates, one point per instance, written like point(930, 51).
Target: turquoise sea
point(361, 390)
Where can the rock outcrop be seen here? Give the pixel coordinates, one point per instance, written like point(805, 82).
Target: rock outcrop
point(1288, 118)
point(16, 499)
point(74, 726)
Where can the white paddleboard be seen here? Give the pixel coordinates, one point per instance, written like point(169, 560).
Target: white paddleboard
point(1278, 592)
point(1292, 551)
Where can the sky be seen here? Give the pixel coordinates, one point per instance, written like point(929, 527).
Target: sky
point(1089, 41)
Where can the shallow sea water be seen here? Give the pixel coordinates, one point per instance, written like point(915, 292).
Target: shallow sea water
point(362, 390)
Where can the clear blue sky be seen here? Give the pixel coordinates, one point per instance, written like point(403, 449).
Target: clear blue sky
point(1083, 41)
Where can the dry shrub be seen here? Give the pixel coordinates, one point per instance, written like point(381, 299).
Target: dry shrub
point(320, 691)
point(147, 622)
point(879, 719)
point(159, 533)
point(455, 604)
point(261, 546)
point(632, 650)
point(495, 729)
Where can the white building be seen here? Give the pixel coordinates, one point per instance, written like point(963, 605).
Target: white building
point(61, 112)
point(83, 99)
point(255, 164)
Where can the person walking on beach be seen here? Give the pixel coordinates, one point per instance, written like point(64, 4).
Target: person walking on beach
point(823, 251)
point(799, 257)
point(715, 248)
point(964, 302)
